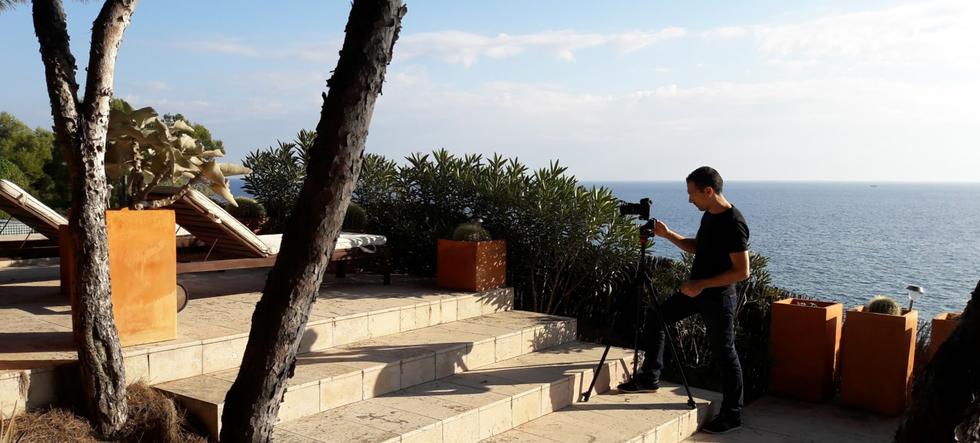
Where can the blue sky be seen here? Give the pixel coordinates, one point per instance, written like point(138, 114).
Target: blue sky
point(640, 90)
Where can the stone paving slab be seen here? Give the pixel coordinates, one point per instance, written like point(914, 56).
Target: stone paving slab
point(350, 373)
point(661, 417)
point(779, 420)
point(467, 407)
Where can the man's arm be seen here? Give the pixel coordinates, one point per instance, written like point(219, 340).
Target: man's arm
point(688, 245)
point(740, 271)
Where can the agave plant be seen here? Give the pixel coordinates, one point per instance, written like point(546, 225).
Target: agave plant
point(146, 151)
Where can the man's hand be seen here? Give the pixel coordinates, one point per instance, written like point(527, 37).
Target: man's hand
point(692, 288)
point(660, 229)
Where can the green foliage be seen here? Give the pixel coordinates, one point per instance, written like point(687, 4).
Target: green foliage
point(471, 232)
point(567, 244)
point(144, 151)
point(40, 169)
point(884, 305)
point(356, 218)
point(277, 176)
point(200, 133)
point(10, 171)
point(248, 211)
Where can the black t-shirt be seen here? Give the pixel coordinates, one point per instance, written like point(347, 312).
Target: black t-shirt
point(719, 235)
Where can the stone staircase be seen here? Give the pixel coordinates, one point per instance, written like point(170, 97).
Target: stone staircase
point(428, 365)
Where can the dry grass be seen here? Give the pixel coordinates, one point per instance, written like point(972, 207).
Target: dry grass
point(152, 418)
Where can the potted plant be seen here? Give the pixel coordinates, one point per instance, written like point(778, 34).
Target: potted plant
point(877, 356)
point(471, 261)
point(144, 151)
point(805, 341)
point(942, 327)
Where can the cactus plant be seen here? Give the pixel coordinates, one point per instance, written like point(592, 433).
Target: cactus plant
point(471, 231)
point(146, 151)
point(884, 305)
point(356, 218)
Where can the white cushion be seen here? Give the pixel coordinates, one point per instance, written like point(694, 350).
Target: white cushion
point(345, 241)
point(218, 215)
point(18, 197)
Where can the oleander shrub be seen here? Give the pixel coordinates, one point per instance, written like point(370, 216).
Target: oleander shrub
point(567, 245)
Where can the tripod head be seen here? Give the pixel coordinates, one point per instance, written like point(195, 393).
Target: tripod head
point(642, 211)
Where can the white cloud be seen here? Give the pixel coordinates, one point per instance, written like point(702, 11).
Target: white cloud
point(822, 129)
point(728, 32)
point(223, 46)
point(942, 32)
point(465, 48)
point(317, 51)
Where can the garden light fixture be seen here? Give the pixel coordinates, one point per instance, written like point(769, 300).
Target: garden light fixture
point(915, 291)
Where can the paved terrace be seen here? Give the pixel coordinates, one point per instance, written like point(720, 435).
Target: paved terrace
point(509, 385)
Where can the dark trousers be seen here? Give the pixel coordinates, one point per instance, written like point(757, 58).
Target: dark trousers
point(717, 308)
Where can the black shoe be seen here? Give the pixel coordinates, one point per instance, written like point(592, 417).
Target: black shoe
point(639, 383)
point(722, 424)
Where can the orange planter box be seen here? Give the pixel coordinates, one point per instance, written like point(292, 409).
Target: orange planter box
point(942, 327)
point(805, 341)
point(471, 266)
point(877, 356)
point(143, 274)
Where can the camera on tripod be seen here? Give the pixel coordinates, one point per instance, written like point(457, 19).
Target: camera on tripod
point(641, 210)
point(644, 285)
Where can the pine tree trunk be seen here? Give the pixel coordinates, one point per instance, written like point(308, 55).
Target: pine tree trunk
point(280, 317)
point(80, 129)
point(946, 396)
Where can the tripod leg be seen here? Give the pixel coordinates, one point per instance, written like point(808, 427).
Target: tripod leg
point(670, 343)
point(595, 375)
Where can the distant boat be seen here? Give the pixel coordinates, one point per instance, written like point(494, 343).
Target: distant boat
point(874, 186)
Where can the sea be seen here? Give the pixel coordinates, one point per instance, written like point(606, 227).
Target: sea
point(844, 242)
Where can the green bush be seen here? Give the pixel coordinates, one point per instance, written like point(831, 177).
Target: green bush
point(275, 181)
point(250, 212)
point(355, 220)
point(567, 245)
point(10, 171)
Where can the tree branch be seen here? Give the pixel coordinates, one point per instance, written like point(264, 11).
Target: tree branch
point(51, 28)
point(107, 33)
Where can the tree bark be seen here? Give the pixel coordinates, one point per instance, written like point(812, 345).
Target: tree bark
point(80, 129)
point(280, 317)
point(946, 396)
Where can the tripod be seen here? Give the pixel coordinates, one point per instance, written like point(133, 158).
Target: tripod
point(642, 285)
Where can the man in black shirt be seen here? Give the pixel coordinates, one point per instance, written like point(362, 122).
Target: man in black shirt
point(721, 259)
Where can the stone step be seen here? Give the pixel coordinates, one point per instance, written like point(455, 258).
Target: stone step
point(656, 417)
point(213, 330)
point(470, 406)
point(351, 373)
point(338, 318)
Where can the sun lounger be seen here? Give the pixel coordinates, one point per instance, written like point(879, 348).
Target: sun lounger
point(225, 243)
point(31, 212)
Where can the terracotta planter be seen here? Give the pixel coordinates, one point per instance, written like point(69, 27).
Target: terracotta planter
point(471, 266)
point(143, 273)
point(942, 327)
point(877, 356)
point(805, 341)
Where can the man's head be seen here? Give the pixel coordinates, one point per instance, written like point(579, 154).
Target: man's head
point(704, 184)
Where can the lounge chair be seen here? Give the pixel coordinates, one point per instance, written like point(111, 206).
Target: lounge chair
point(31, 212)
point(225, 243)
